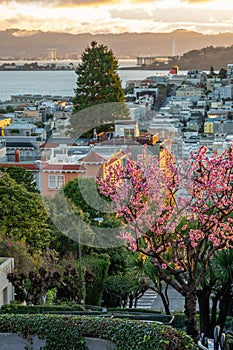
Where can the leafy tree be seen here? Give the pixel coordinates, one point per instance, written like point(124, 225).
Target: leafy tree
point(117, 289)
point(158, 285)
point(89, 205)
point(216, 286)
point(72, 286)
point(23, 216)
point(22, 176)
point(178, 217)
point(10, 109)
point(137, 274)
point(212, 72)
point(96, 272)
point(34, 285)
point(22, 260)
point(222, 73)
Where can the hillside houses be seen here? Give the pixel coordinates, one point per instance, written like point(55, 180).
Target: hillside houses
point(198, 111)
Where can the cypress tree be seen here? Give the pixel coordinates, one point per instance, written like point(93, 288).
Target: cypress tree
point(98, 81)
point(99, 96)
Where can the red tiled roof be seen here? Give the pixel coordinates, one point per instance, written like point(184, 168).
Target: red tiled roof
point(64, 167)
point(32, 167)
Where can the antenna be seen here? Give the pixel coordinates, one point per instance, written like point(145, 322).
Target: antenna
point(173, 46)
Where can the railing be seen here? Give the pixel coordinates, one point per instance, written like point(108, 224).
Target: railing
point(222, 341)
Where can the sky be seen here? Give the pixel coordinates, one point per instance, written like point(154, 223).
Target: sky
point(117, 16)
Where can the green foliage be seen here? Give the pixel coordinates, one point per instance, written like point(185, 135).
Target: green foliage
point(96, 272)
point(65, 333)
point(134, 310)
point(22, 260)
point(34, 285)
point(229, 323)
point(38, 309)
point(89, 204)
point(116, 290)
point(99, 96)
point(10, 109)
point(21, 176)
point(72, 287)
point(98, 81)
point(179, 320)
point(201, 59)
point(23, 217)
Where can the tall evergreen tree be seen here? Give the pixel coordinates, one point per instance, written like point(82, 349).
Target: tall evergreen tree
point(98, 80)
point(99, 96)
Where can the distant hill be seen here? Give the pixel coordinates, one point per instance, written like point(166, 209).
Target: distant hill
point(16, 44)
point(217, 57)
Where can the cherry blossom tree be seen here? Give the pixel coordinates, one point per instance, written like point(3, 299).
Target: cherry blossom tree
point(178, 216)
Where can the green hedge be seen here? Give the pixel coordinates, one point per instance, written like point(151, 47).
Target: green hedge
point(79, 310)
point(133, 314)
point(38, 309)
point(133, 310)
point(67, 333)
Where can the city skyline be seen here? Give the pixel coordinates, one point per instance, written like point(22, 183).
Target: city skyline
point(111, 16)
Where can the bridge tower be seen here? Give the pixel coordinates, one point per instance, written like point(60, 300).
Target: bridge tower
point(52, 54)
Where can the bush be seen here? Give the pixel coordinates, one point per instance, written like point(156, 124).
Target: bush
point(133, 310)
point(229, 323)
point(38, 309)
point(68, 333)
point(97, 269)
point(179, 320)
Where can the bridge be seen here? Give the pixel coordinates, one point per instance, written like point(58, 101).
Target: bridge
point(147, 60)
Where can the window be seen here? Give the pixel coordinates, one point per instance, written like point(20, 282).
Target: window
point(56, 181)
point(5, 296)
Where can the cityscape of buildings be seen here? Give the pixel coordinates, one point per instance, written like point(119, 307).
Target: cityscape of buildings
point(198, 110)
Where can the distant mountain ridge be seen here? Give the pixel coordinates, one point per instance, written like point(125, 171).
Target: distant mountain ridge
point(203, 59)
point(17, 44)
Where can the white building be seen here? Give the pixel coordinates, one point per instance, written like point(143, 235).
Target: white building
point(126, 128)
point(6, 288)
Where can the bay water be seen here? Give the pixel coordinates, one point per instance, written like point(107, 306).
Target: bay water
point(59, 82)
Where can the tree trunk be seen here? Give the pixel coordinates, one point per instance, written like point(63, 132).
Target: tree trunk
point(224, 307)
point(204, 307)
point(165, 302)
point(215, 301)
point(131, 297)
point(190, 312)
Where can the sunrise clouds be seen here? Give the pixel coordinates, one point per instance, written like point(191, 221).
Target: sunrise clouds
point(110, 16)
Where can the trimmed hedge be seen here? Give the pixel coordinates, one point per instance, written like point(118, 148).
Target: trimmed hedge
point(68, 332)
point(133, 310)
point(79, 310)
point(38, 309)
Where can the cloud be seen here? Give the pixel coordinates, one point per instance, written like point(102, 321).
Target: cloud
point(197, 1)
point(64, 3)
point(132, 14)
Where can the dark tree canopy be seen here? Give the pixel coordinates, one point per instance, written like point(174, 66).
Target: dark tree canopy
point(23, 217)
point(98, 81)
point(99, 96)
point(21, 176)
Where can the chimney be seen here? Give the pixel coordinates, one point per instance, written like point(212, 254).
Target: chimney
point(17, 155)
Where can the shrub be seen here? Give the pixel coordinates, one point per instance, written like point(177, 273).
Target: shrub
point(97, 269)
point(39, 309)
point(67, 333)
